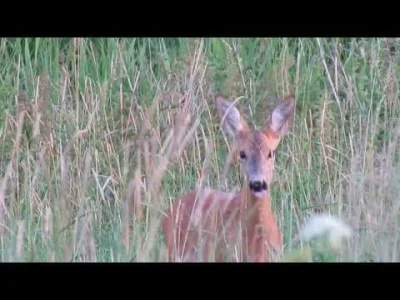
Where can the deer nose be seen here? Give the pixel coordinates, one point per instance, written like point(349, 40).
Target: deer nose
point(258, 186)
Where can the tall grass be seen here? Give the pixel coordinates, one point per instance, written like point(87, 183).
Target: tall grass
point(99, 136)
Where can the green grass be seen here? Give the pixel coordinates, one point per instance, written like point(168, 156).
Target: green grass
point(91, 127)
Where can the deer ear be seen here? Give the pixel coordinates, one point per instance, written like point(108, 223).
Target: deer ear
point(232, 121)
point(282, 116)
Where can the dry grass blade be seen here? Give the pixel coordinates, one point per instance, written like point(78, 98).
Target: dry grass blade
point(3, 207)
point(20, 240)
point(137, 195)
point(86, 245)
point(132, 206)
point(48, 230)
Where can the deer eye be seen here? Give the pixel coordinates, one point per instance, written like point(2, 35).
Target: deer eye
point(242, 155)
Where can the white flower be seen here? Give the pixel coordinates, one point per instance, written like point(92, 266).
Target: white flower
point(325, 224)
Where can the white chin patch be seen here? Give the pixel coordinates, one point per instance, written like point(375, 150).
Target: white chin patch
point(261, 194)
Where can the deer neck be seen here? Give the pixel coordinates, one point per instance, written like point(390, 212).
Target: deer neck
point(259, 222)
point(257, 210)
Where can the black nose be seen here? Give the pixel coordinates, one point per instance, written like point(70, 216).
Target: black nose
point(258, 186)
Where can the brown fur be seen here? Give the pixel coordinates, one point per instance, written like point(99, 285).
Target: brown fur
point(211, 225)
point(241, 215)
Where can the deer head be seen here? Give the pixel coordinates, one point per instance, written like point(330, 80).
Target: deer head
point(256, 148)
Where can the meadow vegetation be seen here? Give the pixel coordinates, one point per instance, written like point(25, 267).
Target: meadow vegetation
point(99, 136)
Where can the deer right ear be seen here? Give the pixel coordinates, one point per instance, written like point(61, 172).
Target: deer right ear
point(231, 119)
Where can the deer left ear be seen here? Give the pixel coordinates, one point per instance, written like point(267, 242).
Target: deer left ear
point(281, 121)
point(282, 117)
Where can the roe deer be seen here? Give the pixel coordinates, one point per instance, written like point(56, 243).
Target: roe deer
point(206, 224)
